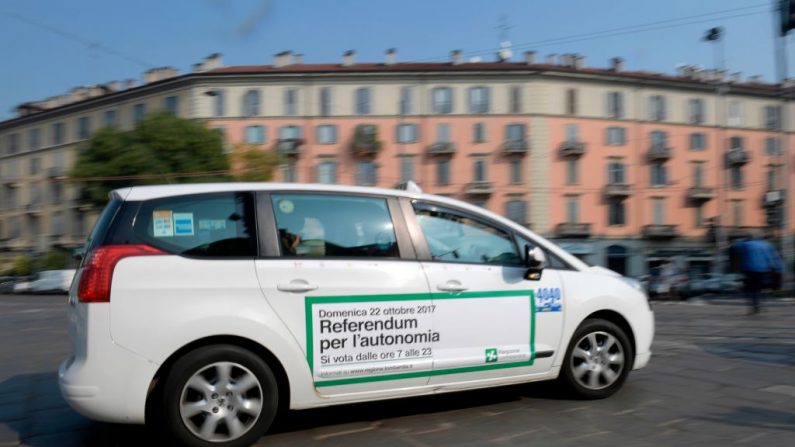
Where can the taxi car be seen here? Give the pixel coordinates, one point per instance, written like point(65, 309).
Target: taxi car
point(207, 308)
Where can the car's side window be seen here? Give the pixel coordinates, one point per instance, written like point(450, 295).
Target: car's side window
point(455, 237)
point(204, 225)
point(320, 225)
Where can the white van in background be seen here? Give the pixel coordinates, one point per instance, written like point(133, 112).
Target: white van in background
point(52, 281)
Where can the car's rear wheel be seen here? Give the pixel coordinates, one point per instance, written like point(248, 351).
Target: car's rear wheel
point(597, 361)
point(219, 395)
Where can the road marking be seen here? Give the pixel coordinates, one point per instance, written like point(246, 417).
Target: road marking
point(507, 438)
point(787, 390)
point(441, 427)
point(751, 438)
point(671, 422)
point(372, 426)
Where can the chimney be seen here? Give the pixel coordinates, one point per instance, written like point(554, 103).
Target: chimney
point(551, 59)
point(391, 57)
point(455, 57)
point(617, 64)
point(298, 58)
point(736, 77)
point(158, 74)
point(129, 83)
point(755, 79)
point(348, 58)
point(579, 61)
point(212, 62)
point(529, 57)
point(283, 59)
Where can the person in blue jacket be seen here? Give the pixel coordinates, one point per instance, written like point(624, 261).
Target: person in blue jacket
point(761, 265)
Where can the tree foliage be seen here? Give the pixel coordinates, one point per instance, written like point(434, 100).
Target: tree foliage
point(162, 148)
point(55, 259)
point(252, 164)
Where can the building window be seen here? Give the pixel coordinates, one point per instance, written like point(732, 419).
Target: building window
point(58, 133)
point(251, 102)
point(443, 133)
point(514, 132)
point(616, 173)
point(325, 101)
point(12, 143)
point(737, 213)
point(327, 172)
point(772, 118)
point(219, 103)
point(616, 213)
point(109, 118)
point(772, 179)
point(736, 177)
point(363, 101)
point(659, 138)
point(406, 168)
point(659, 174)
point(478, 133)
point(735, 114)
point(658, 211)
point(326, 134)
point(57, 224)
point(657, 108)
point(515, 167)
point(443, 172)
point(255, 134)
point(366, 173)
point(772, 146)
point(572, 171)
point(572, 132)
point(406, 133)
point(698, 141)
point(479, 100)
point(698, 215)
point(572, 209)
point(571, 101)
point(616, 136)
point(516, 99)
point(289, 132)
point(83, 128)
point(695, 111)
point(617, 259)
point(479, 170)
point(34, 139)
point(615, 104)
point(736, 143)
point(171, 104)
point(698, 174)
point(290, 102)
point(516, 210)
point(139, 110)
point(290, 172)
point(33, 167)
point(406, 100)
point(442, 100)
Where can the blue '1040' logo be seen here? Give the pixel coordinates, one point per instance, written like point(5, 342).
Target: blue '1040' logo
point(548, 300)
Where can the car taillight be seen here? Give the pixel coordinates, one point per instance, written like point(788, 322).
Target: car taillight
point(98, 268)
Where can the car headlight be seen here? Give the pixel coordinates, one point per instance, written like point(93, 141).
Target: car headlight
point(634, 283)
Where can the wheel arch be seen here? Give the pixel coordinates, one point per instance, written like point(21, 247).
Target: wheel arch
point(617, 319)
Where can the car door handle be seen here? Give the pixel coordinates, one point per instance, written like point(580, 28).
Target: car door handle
point(452, 286)
point(296, 286)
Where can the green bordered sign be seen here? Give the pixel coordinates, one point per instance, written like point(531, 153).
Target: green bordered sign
point(368, 338)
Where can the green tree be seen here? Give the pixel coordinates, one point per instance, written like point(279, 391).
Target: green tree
point(55, 259)
point(252, 164)
point(162, 148)
point(22, 265)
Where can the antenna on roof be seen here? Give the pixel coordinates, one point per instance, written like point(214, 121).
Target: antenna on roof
point(505, 52)
point(409, 186)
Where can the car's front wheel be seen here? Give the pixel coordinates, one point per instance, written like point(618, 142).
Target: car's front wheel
point(219, 395)
point(597, 361)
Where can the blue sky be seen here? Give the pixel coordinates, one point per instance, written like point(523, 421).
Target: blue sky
point(41, 62)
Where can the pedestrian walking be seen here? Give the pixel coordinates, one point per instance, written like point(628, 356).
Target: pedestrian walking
point(761, 266)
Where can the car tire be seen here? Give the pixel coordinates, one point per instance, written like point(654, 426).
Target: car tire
point(219, 395)
point(589, 373)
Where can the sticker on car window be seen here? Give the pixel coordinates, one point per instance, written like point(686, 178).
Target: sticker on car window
point(286, 206)
point(163, 224)
point(212, 224)
point(183, 224)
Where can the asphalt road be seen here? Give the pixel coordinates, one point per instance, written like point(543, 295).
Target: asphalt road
point(717, 377)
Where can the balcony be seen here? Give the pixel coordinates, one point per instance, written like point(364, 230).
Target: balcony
point(773, 199)
point(737, 157)
point(479, 188)
point(517, 147)
point(33, 209)
point(56, 172)
point(11, 181)
point(573, 230)
point(660, 231)
point(365, 141)
point(571, 149)
point(291, 147)
point(659, 152)
point(617, 190)
point(441, 148)
point(700, 194)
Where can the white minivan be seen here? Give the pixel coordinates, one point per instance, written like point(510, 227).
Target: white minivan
point(208, 307)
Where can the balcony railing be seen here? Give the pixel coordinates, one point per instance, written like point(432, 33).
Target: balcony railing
point(479, 188)
point(571, 149)
point(441, 148)
point(737, 157)
point(11, 181)
point(33, 208)
point(515, 147)
point(773, 198)
point(365, 141)
point(660, 231)
point(659, 152)
point(56, 172)
point(291, 147)
point(574, 230)
point(700, 193)
point(617, 190)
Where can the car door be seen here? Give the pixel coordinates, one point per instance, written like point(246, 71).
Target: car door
point(491, 321)
point(341, 272)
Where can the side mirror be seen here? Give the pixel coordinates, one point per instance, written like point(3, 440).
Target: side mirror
point(535, 260)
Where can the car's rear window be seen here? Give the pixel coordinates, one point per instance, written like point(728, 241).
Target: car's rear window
point(204, 225)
